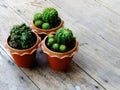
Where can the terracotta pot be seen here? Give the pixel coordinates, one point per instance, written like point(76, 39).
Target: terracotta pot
point(58, 61)
point(47, 31)
point(24, 58)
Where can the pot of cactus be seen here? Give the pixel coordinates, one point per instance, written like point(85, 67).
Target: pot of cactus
point(60, 48)
point(47, 21)
point(22, 44)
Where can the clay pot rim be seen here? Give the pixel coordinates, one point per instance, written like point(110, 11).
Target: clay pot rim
point(46, 30)
point(24, 51)
point(59, 55)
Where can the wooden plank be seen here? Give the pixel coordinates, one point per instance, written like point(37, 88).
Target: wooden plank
point(45, 78)
point(96, 56)
point(72, 79)
point(104, 72)
point(11, 77)
point(112, 5)
point(95, 16)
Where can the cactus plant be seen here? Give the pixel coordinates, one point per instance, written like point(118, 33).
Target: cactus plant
point(62, 41)
point(21, 37)
point(61, 52)
point(48, 18)
point(45, 26)
point(62, 48)
point(50, 42)
point(65, 36)
point(50, 15)
point(37, 16)
point(51, 21)
point(38, 23)
point(55, 47)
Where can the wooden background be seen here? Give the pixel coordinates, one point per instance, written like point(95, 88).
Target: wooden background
point(96, 66)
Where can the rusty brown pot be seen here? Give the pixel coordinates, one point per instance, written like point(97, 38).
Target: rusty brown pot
point(58, 61)
point(24, 58)
point(46, 31)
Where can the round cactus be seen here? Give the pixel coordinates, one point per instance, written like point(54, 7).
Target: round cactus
point(51, 36)
point(37, 16)
point(45, 26)
point(50, 15)
point(50, 41)
point(38, 23)
point(62, 48)
point(65, 36)
point(55, 47)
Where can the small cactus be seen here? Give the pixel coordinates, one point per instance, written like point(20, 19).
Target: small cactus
point(38, 23)
point(55, 47)
point(45, 26)
point(50, 15)
point(50, 42)
point(37, 16)
point(65, 36)
point(62, 48)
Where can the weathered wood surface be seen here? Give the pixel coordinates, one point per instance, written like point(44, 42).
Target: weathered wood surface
point(96, 17)
point(97, 29)
point(11, 77)
point(103, 60)
point(112, 5)
point(46, 79)
point(41, 77)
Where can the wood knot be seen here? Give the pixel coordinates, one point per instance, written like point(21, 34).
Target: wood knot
point(21, 77)
point(96, 87)
point(10, 62)
point(106, 81)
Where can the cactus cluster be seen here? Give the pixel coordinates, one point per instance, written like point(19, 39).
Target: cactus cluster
point(62, 41)
point(21, 37)
point(47, 19)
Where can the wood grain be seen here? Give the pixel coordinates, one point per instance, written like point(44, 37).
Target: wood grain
point(43, 77)
point(71, 79)
point(99, 39)
point(103, 62)
point(11, 77)
point(112, 5)
point(94, 16)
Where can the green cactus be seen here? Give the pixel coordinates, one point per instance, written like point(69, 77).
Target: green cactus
point(45, 26)
point(62, 48)
point(65, 36)
point(50, 15)
point(62, 41)
point(37, 16)
point(38, 23)
point(55, 47)
point(51, 36)
point(51, 41)
point(21, 37)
